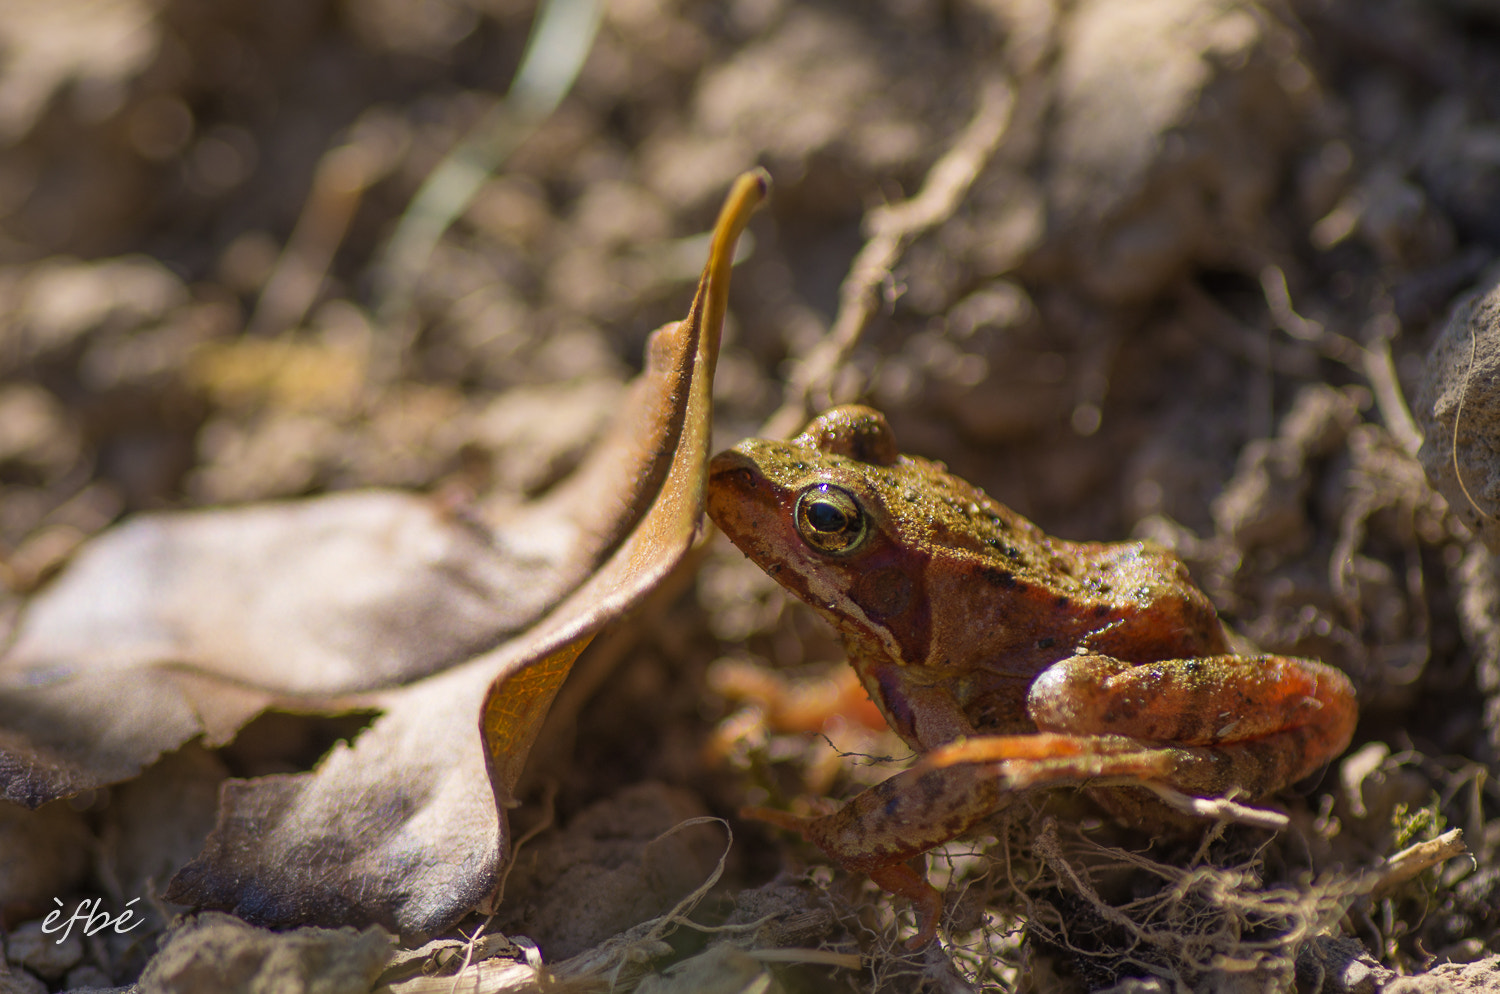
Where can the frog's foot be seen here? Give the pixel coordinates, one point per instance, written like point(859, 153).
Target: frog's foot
point(878, 831)
point(781, 819)
point(926, 900)
point(897, 877)
point(797, 705)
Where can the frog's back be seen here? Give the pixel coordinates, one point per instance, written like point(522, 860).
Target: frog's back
point(1043, 597)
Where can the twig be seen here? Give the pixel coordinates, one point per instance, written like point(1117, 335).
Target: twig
point(1458, 414)
point(629, 947)
point(1218, 808)
point(492, 903)
point(892, 228)
point(1389, 398)
point(1412, 860)
point(823, 957)
point(342, 177)
point(1373, 361)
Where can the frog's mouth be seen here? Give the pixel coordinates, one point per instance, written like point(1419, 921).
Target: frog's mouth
point(748, 509)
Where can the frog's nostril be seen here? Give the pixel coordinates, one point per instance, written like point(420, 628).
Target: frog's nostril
point(728, 461)
point(729, 482)
point(732, 471)
point(739, 479)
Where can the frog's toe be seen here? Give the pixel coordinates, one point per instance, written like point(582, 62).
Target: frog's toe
point(781, 819)
point(926, 900)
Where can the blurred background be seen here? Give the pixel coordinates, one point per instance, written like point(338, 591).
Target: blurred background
point(255, 250)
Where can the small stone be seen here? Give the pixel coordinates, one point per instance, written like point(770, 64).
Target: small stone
point(1152, 163)
point(20, 982)
point(50, 955)
point(218, 952)
point(87, 978)
point(1458, 410)
point(43, 853)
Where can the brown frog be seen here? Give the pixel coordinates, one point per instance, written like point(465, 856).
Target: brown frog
point(1010, 659)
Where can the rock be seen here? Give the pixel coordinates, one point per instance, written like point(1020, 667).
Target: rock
point(1168, 148)
point(1330, 965)
point(612, 868)
point(1458, 410)
point(19, 982)
point(60, 301)
point(1450, 978)
point(43, 854)
point(50, 954)
point(216, 952)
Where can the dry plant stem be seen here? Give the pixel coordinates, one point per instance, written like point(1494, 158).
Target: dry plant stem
point(497, 975)
point(1219, 808)
point(1047, 846)
point(623, 950)
point(1204, 921)
point(342, 177)
point(892, 228)
point(561, 38)
point(1389, 398)
point(549, 815)
point(468, 955)
point(822, 957)
point(1458, 414)
point(1412, 860)
point(1372, 361)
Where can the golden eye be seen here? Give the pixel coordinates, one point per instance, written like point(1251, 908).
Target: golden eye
point(829, 519)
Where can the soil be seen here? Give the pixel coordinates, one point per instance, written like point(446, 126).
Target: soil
point(1176, 277)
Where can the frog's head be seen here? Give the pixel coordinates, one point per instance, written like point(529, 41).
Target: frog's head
point(854, 528)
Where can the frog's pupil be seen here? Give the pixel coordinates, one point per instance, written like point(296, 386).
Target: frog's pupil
point(829, 519)
point(824, 517)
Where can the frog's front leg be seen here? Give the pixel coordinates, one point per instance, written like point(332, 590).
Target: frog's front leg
point(881, 829)
point(1201, 725)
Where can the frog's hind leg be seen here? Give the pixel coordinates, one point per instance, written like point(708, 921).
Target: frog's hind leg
point(1269, 720)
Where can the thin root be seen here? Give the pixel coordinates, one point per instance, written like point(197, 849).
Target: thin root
point(892, 228)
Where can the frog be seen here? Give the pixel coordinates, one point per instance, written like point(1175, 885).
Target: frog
point(1009, 660)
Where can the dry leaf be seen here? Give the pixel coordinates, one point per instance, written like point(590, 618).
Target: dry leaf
point(281, 852)
point(179, 625)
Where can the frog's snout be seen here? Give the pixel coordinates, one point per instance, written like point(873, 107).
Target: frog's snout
point(727, 461)
point(731, 475)
point(731, 468)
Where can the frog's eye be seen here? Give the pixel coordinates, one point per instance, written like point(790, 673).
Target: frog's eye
point(829, 519)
